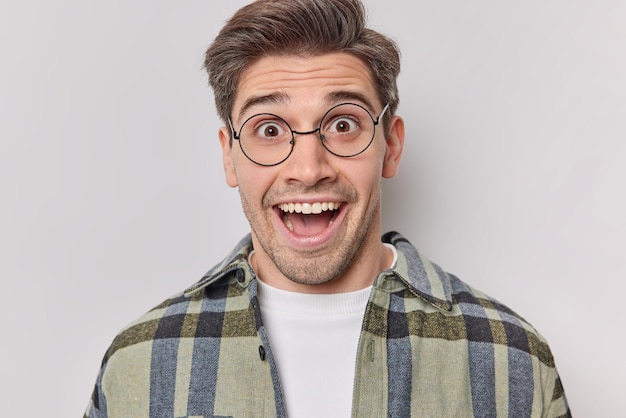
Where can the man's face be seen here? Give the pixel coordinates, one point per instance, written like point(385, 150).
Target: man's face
point(343, 193)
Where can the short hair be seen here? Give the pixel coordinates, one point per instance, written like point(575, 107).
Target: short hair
point(299, 27)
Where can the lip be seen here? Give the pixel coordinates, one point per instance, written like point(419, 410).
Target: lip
point(310, 242)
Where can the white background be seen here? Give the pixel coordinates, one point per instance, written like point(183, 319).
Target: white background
point(112, 193)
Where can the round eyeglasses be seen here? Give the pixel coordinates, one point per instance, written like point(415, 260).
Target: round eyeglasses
point(346, 130)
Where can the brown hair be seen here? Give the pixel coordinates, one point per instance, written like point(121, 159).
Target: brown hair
point(299, 27)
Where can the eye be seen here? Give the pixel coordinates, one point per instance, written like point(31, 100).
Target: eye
point(342, 125)
point(270, 130)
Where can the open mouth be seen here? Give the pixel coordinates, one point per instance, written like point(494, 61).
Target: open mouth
point(309, 219)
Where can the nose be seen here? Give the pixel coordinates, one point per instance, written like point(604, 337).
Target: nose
point(309, 162)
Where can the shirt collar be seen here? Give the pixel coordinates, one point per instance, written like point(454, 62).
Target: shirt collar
point(236, 260)
point(422, 277)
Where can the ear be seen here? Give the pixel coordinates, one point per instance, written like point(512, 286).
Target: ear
point(227, 158)
point(395, 145)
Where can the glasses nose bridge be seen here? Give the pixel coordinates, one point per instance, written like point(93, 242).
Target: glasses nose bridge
point(317, 130)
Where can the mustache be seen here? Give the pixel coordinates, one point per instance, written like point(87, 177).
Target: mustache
point(345, 192)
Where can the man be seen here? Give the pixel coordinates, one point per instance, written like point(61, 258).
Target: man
point(313, 314)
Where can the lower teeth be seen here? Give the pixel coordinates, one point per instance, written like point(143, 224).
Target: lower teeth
point(288, 223)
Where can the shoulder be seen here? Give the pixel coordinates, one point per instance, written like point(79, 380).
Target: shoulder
point(174, 318)
point(177, 316)
point(487, 320)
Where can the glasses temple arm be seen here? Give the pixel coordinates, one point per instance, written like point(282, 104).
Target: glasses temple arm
point(382, 113)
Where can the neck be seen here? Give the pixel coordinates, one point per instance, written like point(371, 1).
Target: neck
point(372, 258)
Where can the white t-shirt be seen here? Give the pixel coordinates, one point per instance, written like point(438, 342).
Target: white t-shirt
point(314, 340)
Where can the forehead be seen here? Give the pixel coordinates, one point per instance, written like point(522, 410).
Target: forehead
point(311, 81)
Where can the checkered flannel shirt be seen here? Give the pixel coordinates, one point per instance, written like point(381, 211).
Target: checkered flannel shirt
point(430, 346)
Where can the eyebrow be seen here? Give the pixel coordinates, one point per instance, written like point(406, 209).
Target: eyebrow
point(352, 96)
point(274, 98)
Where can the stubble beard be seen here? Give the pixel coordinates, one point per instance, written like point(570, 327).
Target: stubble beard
point(309, 268)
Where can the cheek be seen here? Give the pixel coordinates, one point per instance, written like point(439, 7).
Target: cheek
point(254, 182)
point(366, 179)
point(368, 173)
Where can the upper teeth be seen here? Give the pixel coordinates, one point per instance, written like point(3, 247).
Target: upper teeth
point(308, 208)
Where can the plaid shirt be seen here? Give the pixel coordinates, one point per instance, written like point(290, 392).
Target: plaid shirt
point(430, 346)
